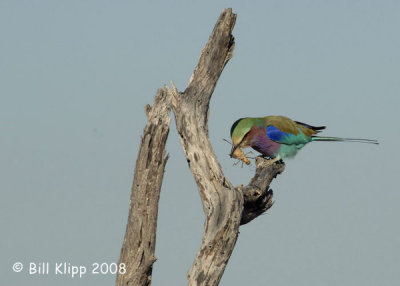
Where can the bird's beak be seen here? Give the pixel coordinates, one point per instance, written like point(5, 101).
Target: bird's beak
point(233, 150)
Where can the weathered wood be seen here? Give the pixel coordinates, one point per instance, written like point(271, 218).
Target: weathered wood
point(257, 195)
point(222, 203)
point(225, 206)
point(137, 251)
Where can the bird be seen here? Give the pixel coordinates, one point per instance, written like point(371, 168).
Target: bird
point(277, 137)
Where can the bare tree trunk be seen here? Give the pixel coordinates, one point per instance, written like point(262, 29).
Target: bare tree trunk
point(225, 206)
point(137, 251)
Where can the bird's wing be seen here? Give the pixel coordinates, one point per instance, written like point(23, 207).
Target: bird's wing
point(309, 129)
point(289, 138)
point(277, 135)
point(286, 131)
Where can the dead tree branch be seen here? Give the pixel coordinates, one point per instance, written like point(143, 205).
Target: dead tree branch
point(226, 207)
point(138, 248)
point(257, 195)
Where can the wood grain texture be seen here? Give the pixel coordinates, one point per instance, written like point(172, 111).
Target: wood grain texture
point(222, 203)
point(138, 248)
point(257, 195)
point(226, 207)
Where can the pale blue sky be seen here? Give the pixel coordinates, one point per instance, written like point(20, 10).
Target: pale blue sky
point(75, 76)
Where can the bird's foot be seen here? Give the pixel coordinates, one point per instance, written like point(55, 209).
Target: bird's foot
point(271, 161)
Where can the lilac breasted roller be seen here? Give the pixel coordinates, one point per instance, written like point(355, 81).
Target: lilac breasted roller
point(276, 137)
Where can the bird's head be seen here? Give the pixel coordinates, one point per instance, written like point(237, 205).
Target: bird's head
point(239, 130)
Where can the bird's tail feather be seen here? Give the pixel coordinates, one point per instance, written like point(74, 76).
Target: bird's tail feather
point(336, 139)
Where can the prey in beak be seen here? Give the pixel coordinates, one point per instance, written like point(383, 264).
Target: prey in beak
point(237, 153)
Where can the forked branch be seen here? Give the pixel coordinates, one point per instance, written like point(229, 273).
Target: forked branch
point(226, 207)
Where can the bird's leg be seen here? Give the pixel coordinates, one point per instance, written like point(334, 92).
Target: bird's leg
point(273, 160)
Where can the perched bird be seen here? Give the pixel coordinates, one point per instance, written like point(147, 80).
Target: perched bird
point(276, 137)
